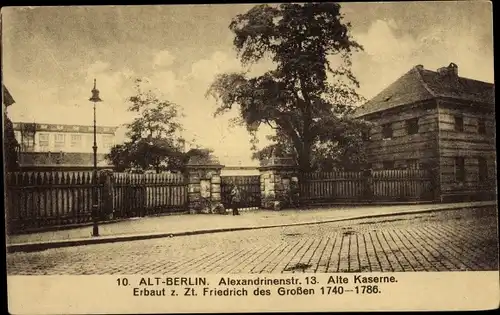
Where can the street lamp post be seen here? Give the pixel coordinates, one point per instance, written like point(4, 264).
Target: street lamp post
point(95, 203)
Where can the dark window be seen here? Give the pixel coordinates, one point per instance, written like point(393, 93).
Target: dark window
point(459, 123)
point(388, 165)
point(460, 169)
point(412, 126)
point(481, 126)
point(365, 135)
point(386, 131)
point(425, 166)
point(483, 169)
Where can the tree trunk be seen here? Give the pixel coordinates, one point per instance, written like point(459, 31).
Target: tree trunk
point(305, 158)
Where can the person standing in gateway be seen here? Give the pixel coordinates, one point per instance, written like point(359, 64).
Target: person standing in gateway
point(235, 199)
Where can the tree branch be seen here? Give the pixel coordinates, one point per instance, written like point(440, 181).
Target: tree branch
point(269, 123)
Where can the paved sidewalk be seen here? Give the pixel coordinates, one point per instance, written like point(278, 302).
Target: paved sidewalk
point(454, 240)
point(175, 225)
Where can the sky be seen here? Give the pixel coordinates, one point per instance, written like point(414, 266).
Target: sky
point(50, 56)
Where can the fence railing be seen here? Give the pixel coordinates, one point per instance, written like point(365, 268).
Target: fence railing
point(35, 200)
point(383, 185)
point(328, 186)
point(403, 185)
point(44, 199)
point(147, 194)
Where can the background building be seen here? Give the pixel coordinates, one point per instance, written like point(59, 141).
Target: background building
point(439, 121)
point(60, 146)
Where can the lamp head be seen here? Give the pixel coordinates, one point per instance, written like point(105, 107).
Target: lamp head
point(95, 94)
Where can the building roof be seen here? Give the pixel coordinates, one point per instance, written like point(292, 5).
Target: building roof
point(7, 97)
point(420, 84)
point(67, 128)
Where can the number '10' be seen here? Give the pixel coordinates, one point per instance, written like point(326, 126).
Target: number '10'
point(122, 281)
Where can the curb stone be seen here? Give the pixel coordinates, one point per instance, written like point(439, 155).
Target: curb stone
point(40, 246)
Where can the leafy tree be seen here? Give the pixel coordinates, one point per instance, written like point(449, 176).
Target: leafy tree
point(341, 145)
point(156, 118)
point(119, 156)
point(330, 152)
point(154, 136)
point(280, 146)
point(143, 153)
point(307, 98)
point(153, 133)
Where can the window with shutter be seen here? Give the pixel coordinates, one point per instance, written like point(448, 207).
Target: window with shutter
point(387, 131)
point(482, 168)
point(412, 126)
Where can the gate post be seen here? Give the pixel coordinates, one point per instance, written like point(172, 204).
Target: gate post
point(215, 185)
point(277, 176)
point(204, 192)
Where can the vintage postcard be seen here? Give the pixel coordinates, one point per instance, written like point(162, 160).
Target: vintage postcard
point(273, 157)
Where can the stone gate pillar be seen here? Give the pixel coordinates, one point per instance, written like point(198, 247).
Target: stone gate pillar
point(204, 192)
point(278, 177)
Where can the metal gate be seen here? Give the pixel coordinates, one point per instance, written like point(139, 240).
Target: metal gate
point(250, 190)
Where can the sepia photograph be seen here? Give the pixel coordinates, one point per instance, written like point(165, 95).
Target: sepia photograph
point(249, 152)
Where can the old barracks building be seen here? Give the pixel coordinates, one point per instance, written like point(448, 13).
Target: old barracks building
point(62, 147)
point(439, 121)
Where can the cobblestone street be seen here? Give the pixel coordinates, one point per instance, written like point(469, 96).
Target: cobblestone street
point(448, 240)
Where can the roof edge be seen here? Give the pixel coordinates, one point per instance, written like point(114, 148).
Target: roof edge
point(417, 103)
point(416, 69)
point(421, 80)
point(66, 125)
